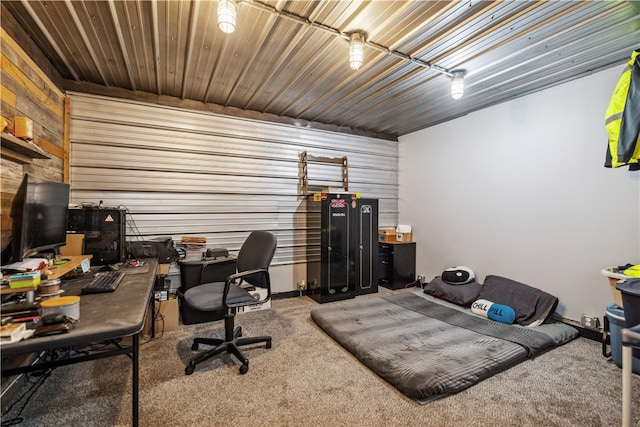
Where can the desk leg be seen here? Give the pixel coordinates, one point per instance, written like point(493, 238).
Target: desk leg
point(627, 360)
point(152, 304)
point(136, 379)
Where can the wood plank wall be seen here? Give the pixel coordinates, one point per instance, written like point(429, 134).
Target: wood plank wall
point(29, 87)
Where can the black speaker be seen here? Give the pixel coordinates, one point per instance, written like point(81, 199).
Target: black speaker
point(104, 233)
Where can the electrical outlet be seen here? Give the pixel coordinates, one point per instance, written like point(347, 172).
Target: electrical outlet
point(590, 321)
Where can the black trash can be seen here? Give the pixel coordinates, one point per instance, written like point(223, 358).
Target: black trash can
point(630, 290)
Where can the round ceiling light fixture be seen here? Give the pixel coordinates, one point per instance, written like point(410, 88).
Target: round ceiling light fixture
point(457, 84)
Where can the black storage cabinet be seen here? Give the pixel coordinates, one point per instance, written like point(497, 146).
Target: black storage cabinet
point(329, 277)
point(348, 247)
point(194, 273)
point(364, 245)
point(397, 264)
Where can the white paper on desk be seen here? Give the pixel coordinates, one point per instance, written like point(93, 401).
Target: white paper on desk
point(29, 264)
point(27, 333)
point(85, 264)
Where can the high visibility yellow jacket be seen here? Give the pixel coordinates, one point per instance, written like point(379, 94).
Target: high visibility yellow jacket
point(622, 118)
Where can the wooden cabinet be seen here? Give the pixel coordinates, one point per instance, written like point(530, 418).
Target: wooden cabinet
point(397, 267)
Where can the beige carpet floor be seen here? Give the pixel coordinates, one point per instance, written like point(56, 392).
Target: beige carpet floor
point(306, 379)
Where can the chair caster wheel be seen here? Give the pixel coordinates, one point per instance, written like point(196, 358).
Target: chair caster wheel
point(244, 369)
point(268, 344)
point(194, 346)
point(189, 369)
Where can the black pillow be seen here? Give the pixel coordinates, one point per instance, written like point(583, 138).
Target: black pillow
point(532, 306)
point(458, 294)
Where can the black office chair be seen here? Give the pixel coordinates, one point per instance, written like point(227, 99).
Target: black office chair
point(252, 264)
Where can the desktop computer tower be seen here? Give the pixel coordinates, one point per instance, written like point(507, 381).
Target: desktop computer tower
point(104, 233)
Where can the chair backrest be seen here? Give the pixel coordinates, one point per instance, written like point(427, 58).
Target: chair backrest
point(256, 253)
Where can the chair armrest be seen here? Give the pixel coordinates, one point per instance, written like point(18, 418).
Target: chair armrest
point(231, 279)
point(242, 274)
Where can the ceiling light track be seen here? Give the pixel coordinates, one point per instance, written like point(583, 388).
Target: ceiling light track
point(347, 36)
point(358, 40)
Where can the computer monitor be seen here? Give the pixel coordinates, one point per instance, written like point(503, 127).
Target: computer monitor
point(39, 217)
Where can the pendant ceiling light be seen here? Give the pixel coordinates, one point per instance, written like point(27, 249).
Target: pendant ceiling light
point(227, 15)
point(457, 84)
point(356, 50)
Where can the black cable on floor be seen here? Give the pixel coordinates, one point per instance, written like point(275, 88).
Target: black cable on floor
point(28, 394)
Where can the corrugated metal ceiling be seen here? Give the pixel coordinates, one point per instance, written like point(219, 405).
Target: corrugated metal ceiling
point(289, 59)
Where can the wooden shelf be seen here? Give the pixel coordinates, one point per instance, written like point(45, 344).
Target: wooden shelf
point(53, 272)
point(5, 289)
point(19, 150)
point(60, 270)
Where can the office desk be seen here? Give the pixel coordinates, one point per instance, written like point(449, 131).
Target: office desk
point(103, 317)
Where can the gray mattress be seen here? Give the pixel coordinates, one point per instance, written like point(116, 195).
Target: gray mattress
point(428, 348)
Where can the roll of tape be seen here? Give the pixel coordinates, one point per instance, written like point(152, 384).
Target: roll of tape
point(49, 287)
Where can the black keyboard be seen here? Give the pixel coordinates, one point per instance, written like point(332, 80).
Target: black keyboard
point(104, 281)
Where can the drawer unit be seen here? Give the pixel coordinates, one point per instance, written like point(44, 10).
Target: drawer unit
point(397, 266)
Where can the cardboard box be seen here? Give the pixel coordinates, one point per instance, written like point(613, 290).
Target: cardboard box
point(166, 317)
point(259, 294)
point(387, 235)
point(404, 233)
point(23, 127)
point(404, 237)
point(74, 246)
point(163, 269)
point(613, 275)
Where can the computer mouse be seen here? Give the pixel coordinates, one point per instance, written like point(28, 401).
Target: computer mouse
point(110, 267)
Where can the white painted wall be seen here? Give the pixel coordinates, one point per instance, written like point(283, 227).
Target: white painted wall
point(519, 190)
